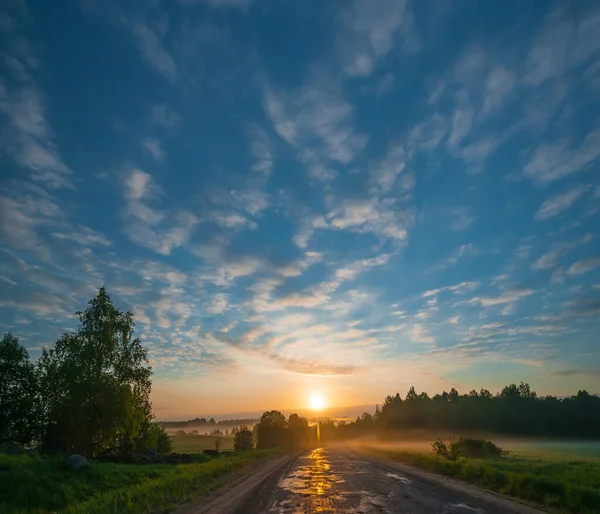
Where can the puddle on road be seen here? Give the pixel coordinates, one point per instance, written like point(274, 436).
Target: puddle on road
point(398, 477)
point(461, 508)
point(314, 481)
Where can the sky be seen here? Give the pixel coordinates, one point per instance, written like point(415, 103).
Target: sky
point(295, 198)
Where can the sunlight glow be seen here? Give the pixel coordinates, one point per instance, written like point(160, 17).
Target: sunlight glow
point(317, 401)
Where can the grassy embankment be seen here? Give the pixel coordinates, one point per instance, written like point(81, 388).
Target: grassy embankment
point(561, 478)
point(45, 485)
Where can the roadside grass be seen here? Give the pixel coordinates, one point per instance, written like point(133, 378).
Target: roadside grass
point(559, 485)
point(192, 443)
point(45, 485)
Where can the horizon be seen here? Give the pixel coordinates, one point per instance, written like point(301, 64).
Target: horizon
point(307, 204)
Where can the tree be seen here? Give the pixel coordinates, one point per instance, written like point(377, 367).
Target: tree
point(18, 390)
point(95, 384)
point(299, 431)
point(243, 439)
point(271, 430)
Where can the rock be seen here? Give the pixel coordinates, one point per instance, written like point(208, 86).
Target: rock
point(77, 461)
point(11, 449)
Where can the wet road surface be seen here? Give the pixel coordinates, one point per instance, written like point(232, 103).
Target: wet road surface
point(336, 481)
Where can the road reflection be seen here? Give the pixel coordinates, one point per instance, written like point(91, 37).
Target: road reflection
point(313, 480)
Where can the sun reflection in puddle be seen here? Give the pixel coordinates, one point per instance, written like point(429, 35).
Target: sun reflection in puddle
point(314, 481)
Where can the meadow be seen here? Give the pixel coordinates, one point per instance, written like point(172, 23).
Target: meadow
point(193, 443)
point(560, 476)
point(44, 485)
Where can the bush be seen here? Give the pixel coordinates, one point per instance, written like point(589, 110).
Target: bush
point(467, 447)
point(243, 439)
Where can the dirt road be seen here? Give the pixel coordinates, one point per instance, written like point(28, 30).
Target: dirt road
point(338, 481)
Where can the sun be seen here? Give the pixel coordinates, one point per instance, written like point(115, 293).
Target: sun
point(317, 401)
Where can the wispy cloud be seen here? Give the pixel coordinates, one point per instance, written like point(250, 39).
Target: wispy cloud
point(560, 203)
point(153, 147)
point(150, 227)
point(151, 47)
point(556, 160)
point(572, 372)
point(370, 29)
point(510, 296)
point(317, 120)
point(28, 136)
point(583, 266)
point(162, 114)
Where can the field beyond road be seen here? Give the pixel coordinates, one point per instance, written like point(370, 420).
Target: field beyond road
point(193, 443)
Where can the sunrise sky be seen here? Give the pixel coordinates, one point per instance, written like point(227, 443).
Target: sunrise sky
point(307, 198)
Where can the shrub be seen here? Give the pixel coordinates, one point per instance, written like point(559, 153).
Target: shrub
point(467, 447)
point(243, 439)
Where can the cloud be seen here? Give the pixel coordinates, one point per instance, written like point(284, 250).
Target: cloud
point(27, 136)
point(550, 259)
point(461, 288)
point(583, 266)
point(562, 44)
point(369, 31)
point(560, 203)
point(27, 212)
point(462, 220)
point(85, 236)
point(317, 120)
point(461, 125)
point(479, 151)
point(303, 366)
point(506, 297)
point(149, 227)
point(498, 87)
point(574, 372)
point(556, 160)
point(261, 150)
point(150, 45)
point(218, 304)
point(428, 134)
point(385, 172)
point(382, 217)
point(420, 335)
point(313, 367)
point(162, 114)
point(153, 147)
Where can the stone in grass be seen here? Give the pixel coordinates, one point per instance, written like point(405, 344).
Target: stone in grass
point(77, 461)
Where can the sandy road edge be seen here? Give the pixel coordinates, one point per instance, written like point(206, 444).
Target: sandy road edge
point(231, 496)
point(491, 497)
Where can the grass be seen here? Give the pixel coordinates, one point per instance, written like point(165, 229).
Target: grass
point(559, 485)
point(191, 443)
point(45, 485)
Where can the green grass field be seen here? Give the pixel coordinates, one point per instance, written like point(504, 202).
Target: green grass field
point(560, 477)
point(191, 443)
point(45, 485)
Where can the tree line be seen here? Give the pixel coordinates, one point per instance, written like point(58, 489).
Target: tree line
point(274, 430)
point(88, 394)
point(515, 410)
point(209, 422)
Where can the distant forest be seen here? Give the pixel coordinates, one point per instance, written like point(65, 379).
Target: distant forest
point(516, 410)
point(191, 423)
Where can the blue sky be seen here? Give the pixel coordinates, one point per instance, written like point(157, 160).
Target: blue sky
point(346, 197)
